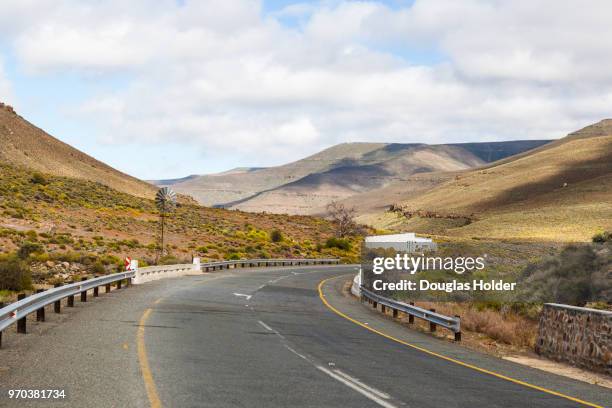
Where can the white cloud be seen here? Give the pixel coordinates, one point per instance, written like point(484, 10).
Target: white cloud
point(227, 77)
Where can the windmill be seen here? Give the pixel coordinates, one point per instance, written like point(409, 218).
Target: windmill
point(165, 200)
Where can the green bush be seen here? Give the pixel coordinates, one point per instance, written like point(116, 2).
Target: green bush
point(578, 275)
point(168, 260)
point(276, 236)
point(98, 268)
point(602, 237)
point(28, 248)
point(14, 274)
point(38, 178)
point(339, 243)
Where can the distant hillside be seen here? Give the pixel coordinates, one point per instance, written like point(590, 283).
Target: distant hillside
point(559, 191)
point(223, 188)
point(23, 144)
point(341, 171)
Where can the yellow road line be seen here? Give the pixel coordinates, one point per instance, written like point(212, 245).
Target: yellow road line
point(144, 363)
point(432, 353)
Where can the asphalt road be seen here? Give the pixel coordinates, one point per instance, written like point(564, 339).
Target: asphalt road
point(260, 338)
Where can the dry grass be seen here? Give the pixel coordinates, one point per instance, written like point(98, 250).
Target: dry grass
point(506, 327)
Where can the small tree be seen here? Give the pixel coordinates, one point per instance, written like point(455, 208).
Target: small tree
point(276, 236)
point(28, 248)
point(343, 217)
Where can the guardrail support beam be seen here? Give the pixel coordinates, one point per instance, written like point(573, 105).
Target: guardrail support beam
point(1, 306)
point(84, 293)
point(432, 325)
point(395, 313)
point(458, 334)
point(40, 313)
point(411, 317)
point(57, 305)
point(70, 301)
point(107, 288)
point(21, 323)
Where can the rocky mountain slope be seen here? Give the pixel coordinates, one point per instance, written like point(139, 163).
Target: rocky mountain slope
point(25, 145)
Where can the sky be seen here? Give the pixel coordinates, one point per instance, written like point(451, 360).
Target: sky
point(167, 88)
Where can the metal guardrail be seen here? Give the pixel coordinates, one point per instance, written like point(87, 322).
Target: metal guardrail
point(435, 319)
point(267, 262)
point(150, 273)
point(18, 311)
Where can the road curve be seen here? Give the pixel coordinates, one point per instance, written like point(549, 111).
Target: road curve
point(261, 338)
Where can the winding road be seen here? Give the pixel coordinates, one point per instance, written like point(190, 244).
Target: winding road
point(275, 337)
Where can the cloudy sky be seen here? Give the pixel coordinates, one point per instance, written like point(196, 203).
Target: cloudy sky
point(166, 88)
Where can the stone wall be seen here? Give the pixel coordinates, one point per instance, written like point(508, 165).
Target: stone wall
point(576, 335)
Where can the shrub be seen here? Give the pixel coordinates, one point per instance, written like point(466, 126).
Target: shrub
point(98, 268)
point(339, 243)
point(32, 235)
point(576, 276)
point(28, 248)
point(276, 236)
point(14, 274)
point(168, 260)
point(602, 237)
point(38, 178)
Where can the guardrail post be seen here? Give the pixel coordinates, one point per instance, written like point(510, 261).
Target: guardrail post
point(1, 306)
point(21, 323)
point(395, 313)
point(458, 334)
point(383, 309)
point(96, 291)
point(40, 313)
point(84, 293)
point(432, 325)
point(411, 317)
point(374, 304)
point(57, 305)
point(119, 284)
point(107, 288)
point(70, 302)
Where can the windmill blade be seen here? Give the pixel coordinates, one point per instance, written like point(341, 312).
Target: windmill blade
point(165, 199)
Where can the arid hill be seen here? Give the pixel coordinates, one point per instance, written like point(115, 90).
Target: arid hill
point(561, 191)
point(225, 188)
point(341, 171)
point(24, 144)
